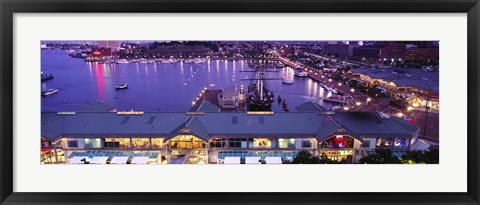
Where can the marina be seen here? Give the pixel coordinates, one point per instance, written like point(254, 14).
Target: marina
point(163, 85)
point(190, 102)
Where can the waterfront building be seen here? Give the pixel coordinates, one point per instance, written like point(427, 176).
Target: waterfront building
point(422, 54)
point(417, 86)
point(219, 137)
point(340, 49)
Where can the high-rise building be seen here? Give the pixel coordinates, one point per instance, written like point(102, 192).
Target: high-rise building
point(114, 45)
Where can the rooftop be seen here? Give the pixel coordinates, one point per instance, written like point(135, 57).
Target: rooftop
point(204, 106)
point(311, 107)
point(98, 106)
point(227, 124)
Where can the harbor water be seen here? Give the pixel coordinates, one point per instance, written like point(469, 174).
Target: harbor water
point(156, 87)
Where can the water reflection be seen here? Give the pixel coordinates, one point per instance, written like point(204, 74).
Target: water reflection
point(168, 87)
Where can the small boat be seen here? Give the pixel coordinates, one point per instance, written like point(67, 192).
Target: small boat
point(199, 60)
point(338, 99)
point(166, 61)
point(124, 86)
point(336, 108)
point(298, 71)
point(122, 61)
point(49, 92)
point(189, 61)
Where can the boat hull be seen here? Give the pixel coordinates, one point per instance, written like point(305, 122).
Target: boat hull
point(254, 106)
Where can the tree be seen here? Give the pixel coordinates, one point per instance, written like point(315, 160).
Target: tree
point(304, 157)
point(421, 157)
point(381, 156)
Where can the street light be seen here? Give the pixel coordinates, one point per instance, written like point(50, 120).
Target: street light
point(339, 84)
point(369, 99)
point(352, 90)
point(358, 104)
point(345, 108)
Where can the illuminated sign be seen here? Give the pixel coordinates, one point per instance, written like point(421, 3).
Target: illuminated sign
point(130, 113)
point(259, 113)
point(97, 53)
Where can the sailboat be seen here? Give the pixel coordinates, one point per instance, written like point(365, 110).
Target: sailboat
point(259, 95)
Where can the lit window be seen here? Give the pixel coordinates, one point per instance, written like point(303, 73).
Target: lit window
point(157, 142)
point(116, 142)
point(141, 143)
point(262, 142)
point(93, 143)
point(286, 143)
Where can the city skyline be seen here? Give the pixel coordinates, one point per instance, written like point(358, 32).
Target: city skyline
point(167, 102)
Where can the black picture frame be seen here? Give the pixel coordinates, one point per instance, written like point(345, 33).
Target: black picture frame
point(10, 7)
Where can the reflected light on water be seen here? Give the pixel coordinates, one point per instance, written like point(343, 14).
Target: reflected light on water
point(90, 69)
point(209, 65)
point(309, 86)
point(181, 67)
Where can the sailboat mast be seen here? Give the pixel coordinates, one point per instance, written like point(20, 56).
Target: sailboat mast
point(261, 89)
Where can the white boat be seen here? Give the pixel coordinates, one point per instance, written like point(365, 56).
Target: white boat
point(151, 61)
point(338, 99)
point(189, 61)
point(300, 73)
point(71, 51)
point(336, 108)
point(329, 89)
point(122, 61)
point(167, 61)
point(49, 92)
point(143, 61)
point(199, 60)
point(123, 86)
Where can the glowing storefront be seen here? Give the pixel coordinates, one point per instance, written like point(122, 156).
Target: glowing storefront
point(158, 138)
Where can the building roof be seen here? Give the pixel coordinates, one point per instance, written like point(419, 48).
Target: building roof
point(191, 126)
point(372, 124)
point(409, 77)
point(204, 106)
point(311, 107)
point(227, 124)
point(98, 106)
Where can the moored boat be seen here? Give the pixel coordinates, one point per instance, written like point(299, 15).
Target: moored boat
point(338, 99)
point(122, 61)
point(123, 86)
point(299, 72)
point(49, 92)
